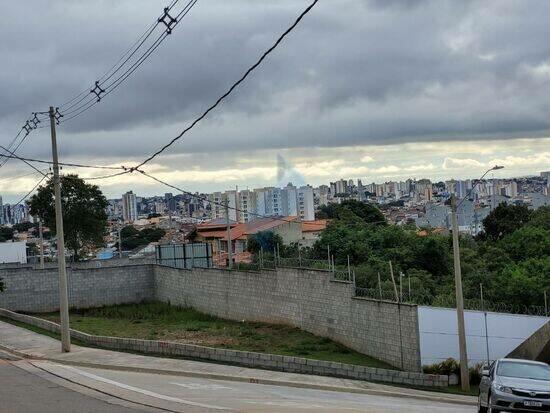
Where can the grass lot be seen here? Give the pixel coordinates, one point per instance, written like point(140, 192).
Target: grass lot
point(159, 321)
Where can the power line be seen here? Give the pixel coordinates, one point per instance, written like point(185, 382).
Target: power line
point(233, 87)
point(100, 90)
point(206, 199)
point(68, 164)
point(11, 178)
point(21, 159)
point(32, 190)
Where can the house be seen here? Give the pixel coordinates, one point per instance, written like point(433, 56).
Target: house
point(311, 231)
point(215, 233)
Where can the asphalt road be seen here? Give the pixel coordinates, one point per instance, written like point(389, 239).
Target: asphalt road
point(25, 392)
point(41, 387)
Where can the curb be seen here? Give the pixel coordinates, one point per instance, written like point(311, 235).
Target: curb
point(252, 380)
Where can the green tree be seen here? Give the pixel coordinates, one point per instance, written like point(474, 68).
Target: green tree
point(132, 238)
point(504, 220)
point(84, 216)
point(6, 234)
point(23, 226)
point(367, 212)
point(266, 240)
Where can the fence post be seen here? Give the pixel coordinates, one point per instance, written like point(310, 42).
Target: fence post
point(394, 284)
point(485, 316)
point(333, 267)
point(545, 304)
point(261, 258)
point(349, 270)
point(328, 256)
point(299, 257)
point(379, 286)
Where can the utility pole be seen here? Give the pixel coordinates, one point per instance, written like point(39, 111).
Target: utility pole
point(40, 231)
point(63, 293)
point(464, 374)
point(229, 246)
point(119, 242)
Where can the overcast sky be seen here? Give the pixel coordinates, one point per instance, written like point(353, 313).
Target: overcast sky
point(371, 89)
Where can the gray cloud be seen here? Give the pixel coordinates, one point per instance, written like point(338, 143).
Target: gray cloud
point(353, 73)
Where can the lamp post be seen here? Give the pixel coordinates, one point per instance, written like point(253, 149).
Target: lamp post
point(464, 373)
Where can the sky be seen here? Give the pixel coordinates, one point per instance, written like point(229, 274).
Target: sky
point(372, 89)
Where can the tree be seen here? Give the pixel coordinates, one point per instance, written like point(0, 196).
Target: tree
point(367, 212)
point(6, 234)
point(132, 238)
point(23, 226)
point(504, 220)
point(1, 285)
point(266, 240)
point(84, 216)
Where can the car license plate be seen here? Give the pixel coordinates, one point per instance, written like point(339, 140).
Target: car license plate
point(532, 403)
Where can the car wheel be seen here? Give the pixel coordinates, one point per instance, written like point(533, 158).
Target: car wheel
point(490, 409)
point(480, 408)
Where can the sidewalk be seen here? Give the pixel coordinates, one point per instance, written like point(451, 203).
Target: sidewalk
point(26, 343)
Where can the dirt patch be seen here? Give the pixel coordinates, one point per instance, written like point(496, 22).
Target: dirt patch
point(200, 338)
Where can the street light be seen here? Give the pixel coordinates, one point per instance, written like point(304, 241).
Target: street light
point(464, 373)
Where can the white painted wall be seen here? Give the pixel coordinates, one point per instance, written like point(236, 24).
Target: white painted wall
point(439, 339)
point(11, 252)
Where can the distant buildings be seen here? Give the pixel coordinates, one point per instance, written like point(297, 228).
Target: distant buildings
point(129, 207)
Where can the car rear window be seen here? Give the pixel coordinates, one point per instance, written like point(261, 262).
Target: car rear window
point(523, 370)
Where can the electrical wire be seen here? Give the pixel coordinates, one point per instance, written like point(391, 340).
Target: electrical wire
point(21, 159)
point(124, 59)
point(32, 190)
point(233, 87)
point(206, 199)
point(87, 102)
point(10, 178)
point(68, 164)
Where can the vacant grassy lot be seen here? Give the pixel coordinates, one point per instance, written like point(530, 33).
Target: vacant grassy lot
point(159, 321)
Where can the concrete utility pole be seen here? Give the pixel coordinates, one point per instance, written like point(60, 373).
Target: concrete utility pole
point(63, 293)
point(464, 374)
point(40, 231)
point(119, 243)
point(229, 246)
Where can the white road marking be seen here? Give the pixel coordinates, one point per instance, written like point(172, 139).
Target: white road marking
point(143, 391)
point(198, 386)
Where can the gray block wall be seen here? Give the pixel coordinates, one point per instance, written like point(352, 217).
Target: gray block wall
point(38, 290)
point(306, 299)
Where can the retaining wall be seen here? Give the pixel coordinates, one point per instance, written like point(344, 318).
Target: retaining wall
point(306, 299)
point(243, 358)
point(38, 290)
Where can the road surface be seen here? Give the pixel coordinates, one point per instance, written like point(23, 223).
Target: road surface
point(45, 387)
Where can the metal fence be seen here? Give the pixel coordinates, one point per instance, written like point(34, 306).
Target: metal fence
point(450, 302)
point(184, 255)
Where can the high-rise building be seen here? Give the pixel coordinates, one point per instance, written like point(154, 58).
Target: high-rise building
point(129, 207)
point(306, 209)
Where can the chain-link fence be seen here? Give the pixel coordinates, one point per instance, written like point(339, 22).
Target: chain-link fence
point(450, 302)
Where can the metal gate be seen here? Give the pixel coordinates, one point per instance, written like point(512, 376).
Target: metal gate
point(184, 255)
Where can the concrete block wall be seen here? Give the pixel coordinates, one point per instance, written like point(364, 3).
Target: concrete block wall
point(306, 299)
point(243, 358)
point(38, 290)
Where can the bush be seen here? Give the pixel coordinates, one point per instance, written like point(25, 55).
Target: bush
point(451, 366)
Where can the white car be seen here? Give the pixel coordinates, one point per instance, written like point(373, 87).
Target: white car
point(511, 385)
